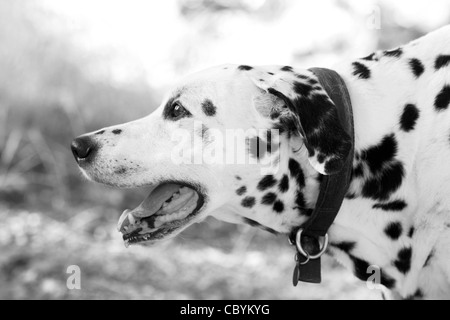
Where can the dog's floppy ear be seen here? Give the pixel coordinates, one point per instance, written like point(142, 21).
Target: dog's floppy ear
point(310, 113)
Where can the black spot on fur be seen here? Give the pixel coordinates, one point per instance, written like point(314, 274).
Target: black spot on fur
point(255, 224)
point(266, 183)
point(245, 68)
point(287, 124)
point(417, 67)
point(269, 199)
point(430, 257)
point(396, 53)
point(300, 202)
point(271, 73)
point(394, 230)
point(361, 271)
point(248, 202)
point(378, 156)
point(313, 82)
point(241, 191)
point(358, 171)
point(302, 76)
point(275, 114)
point(361, 71)
point(418, 295)
point(370, 57)
point(381, 187)
point(238, 178)
point(100, 132)
point(409, 118)
point(297, 172)
point(284, 184)
point(302, 89)
point(278, 206)
point(117, 131)
point(411, 232)
point(442, 61)
point(321, 158)
point(398, 205)
point(403, 262)
point(443, 99)
point(209, 108)
point(386, 172)
point(347, 247)
point(387, 281)
point(287, 69)
point(121, 170)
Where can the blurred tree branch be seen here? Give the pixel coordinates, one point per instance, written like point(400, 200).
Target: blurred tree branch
point(267, 9)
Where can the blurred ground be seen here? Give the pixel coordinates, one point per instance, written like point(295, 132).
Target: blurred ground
point(232, 264)
point(55, 86)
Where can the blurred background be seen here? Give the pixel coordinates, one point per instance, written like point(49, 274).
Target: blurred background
point(72, 66)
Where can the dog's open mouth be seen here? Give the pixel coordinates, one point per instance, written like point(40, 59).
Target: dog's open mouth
point(169, 207)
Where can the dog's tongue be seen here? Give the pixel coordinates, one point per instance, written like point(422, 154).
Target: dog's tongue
point(155, 200)
point(150, 205)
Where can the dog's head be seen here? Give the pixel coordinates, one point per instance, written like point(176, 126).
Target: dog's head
point(244, 144)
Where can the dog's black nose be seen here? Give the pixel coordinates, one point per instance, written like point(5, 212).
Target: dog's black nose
point(83, 148)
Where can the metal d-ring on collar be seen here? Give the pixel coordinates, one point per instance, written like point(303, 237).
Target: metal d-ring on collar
point(303, 252)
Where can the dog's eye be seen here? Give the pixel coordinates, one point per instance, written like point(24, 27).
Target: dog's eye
point(178, 112)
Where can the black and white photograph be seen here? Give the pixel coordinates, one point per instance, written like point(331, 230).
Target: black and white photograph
point(217, 152)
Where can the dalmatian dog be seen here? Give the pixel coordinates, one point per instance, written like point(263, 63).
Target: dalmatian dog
point(396, 214)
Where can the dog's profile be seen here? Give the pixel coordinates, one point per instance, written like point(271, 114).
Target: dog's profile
point(396, 214)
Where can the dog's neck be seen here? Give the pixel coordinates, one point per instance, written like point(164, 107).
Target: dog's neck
point(358, 237)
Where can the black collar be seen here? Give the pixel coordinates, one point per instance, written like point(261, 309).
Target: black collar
point(311, 239)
